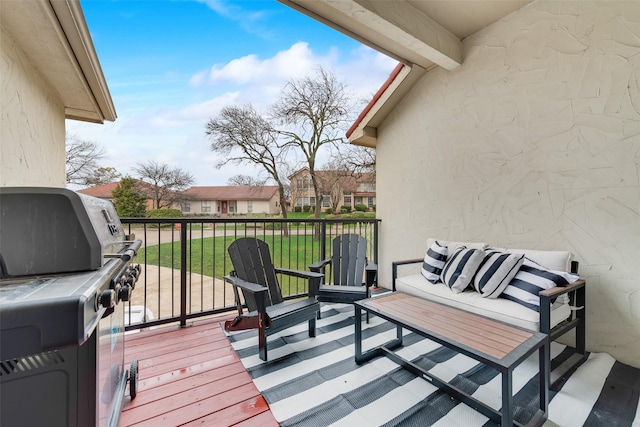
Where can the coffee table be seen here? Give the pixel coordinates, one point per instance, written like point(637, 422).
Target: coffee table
point(488, 341)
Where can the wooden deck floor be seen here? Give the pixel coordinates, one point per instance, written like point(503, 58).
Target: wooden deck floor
point(191, 376)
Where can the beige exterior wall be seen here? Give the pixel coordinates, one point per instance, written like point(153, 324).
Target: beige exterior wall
point(241, 207)
point(32, 147)
point(533, 142)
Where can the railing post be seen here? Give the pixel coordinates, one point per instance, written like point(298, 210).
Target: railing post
point(323, 240)
point(375, 241)
point(183, 273)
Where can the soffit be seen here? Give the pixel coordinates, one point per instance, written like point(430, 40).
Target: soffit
point(54, 36)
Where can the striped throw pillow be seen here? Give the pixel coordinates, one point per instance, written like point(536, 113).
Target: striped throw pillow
point(531, 279)
point(434, 262)
point(460, 268)
point(495, 272)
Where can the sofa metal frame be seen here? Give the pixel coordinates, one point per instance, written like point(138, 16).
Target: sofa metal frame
point(577, 320)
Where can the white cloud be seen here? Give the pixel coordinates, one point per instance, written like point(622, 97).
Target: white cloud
point(174, 132)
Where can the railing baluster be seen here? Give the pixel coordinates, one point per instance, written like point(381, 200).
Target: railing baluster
point(177, 244)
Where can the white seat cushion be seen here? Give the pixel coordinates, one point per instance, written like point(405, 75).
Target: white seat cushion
point(473, 302)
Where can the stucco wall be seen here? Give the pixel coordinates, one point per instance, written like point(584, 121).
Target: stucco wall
point(533, 142)
point(32, 149)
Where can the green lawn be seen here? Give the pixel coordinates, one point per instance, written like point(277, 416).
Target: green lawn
point(209, 256)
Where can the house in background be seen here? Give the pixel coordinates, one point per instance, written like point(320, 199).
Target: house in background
point(337, 188)
point(50, 72)
point(212, 201)
point(232, 200)
point(104, 191)
point(515, 123)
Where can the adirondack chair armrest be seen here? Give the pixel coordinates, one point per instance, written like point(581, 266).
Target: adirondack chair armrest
point(370, 273)
point(258, 292)
point(318, 266)
point(314, 278)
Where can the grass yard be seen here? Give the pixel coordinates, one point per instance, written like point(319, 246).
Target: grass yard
point(209, 256)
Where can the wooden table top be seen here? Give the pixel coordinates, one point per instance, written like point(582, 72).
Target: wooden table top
point(493, 338)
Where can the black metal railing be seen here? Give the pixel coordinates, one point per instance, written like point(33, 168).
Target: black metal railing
point(183, 260)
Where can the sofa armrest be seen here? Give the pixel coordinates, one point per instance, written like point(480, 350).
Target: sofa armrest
point(560, 290)
point(394, 269)
point(577, 320)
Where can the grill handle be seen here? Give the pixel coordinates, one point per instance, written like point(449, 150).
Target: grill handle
point(131, 251)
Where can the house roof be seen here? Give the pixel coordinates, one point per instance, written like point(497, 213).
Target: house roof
point(101, 191)
point(419, 34)
point(237, 192)
point(55, 38)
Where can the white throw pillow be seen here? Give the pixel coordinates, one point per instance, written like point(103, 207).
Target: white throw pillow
point(461, 267)
point(531, 279)
point(434, 262)
point(496, 271)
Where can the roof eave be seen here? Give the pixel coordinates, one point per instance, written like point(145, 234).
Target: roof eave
point(54, 36)
point(364, 131)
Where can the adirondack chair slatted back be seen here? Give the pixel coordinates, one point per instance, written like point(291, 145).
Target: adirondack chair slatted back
point(251, 261)
point(348, 259)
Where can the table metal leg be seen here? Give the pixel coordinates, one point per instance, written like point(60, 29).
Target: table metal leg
point(507, 398)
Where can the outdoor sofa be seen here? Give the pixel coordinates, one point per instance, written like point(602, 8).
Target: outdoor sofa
point(537, 290)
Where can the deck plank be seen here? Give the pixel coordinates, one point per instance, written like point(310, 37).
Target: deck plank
point(191, 376)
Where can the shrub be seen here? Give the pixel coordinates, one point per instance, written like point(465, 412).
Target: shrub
point(330, 216)
point(273, 226)
point(164, 213)
point(358, 214)
point(369, 214)
point(306, 208)
point(345, 209)
point(297, 209)
point(345, 215)
point(328, 211)
point(361, 207)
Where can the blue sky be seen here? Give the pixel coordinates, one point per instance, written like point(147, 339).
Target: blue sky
point(172, 65)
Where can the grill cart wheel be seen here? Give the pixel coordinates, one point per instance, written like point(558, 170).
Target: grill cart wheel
point(133, 379)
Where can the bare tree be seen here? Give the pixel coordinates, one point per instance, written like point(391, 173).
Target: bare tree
point(81, 160)
point(354, 158)
point(245, 180)
point(103, 175)
point(241, 135)
point(163, 184)
point(315, 111)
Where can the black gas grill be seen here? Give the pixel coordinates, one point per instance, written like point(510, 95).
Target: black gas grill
point(66, 269)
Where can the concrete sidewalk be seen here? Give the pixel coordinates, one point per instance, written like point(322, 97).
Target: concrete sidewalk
point(158, 289)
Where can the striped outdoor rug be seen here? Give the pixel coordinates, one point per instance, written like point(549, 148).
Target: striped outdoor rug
point(316, 382)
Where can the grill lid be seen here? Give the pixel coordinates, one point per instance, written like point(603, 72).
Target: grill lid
point(55, 230)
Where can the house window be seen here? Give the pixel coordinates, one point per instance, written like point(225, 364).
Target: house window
point(232, 206)
point(347, 199)
point(358, 199)
point(367, 187)
point(206, 206)
point(305, 201)
point(249, 206)
point(186, 206)
point(325, 201)
point(371, 202)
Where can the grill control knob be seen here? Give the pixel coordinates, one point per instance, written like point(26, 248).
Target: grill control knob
point(124, 293)
point(108, 298)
